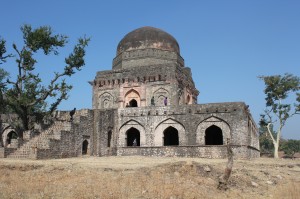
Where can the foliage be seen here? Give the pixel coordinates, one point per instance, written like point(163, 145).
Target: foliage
point(278, 89)
point(3, 57)
point(265, 141)
point(3, 75)
point(27, 95)
point(290, 147)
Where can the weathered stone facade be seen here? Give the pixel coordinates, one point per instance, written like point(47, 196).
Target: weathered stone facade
point(146, 105)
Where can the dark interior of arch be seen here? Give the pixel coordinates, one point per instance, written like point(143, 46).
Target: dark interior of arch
point(133, 134)
point(109, 138)
point(171, 136)
point(11, 135)
point(213, 136)
point(133, 103)
point(85, 145)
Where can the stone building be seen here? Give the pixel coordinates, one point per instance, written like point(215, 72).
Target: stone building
point(146, 105)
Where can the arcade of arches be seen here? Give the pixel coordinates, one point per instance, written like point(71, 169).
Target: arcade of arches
point(213, 136)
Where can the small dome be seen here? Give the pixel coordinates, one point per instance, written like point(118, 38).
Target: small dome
point(148, 37)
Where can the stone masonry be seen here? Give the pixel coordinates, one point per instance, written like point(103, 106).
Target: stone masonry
point(146, 105)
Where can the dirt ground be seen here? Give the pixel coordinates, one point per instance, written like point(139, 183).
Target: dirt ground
point(147, 177)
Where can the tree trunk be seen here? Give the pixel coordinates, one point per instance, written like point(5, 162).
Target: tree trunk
point(276, 146)
point(223, 179)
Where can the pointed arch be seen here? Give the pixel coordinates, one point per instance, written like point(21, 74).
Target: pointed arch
point(11, 135)
point(159, 96)
point(210, 124)
point(170, 136)
point(132, 97)
point(123, 133)
point(8, 134)
point(106, 100)
point(165, 124)
point(133, 137)
point(213, 136)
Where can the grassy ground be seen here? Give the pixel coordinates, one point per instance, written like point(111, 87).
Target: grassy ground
point(146, 177)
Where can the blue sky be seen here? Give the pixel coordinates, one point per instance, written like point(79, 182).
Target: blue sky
point(227, 44)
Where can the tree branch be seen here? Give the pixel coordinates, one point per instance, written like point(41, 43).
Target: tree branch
point(270, 132)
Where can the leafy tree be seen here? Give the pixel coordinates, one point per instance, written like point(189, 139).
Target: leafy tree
point(278, 89)
point(3, 57)
point(3, 75)
point(26, 95)
point(290, 147)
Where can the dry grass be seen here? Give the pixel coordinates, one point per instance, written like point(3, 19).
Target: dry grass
point(140, 177)
point(289, 190)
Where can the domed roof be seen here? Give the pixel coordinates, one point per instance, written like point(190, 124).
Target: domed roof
point(148, 37)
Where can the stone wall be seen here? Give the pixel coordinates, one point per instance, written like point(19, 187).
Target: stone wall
point(2, 152)
point(146, 57)
point(105, 132)
point(110, 88)
point(104, 122)
point(232, 118)
point(239, 152)
point(190, 121)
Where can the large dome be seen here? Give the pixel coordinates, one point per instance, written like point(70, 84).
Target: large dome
point(148, 37)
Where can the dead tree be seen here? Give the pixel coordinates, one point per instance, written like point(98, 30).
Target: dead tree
point(223, 179)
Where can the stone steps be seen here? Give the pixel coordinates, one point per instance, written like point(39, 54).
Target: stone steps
point(40, 141)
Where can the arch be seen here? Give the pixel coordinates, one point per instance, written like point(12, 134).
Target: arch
point(188, 100)
point(8, 135)
point(109, 138)
point(133, 103)
point(122, 140)
point(213, 136)
point(161, 128)
point(85, 146)
point(171, 136)
point(106, 100)
point(209, 122)
point(159, 95)
point(132, 95)
point(133, 137)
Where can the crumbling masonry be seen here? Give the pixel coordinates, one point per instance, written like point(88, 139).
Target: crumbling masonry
point(146, 105)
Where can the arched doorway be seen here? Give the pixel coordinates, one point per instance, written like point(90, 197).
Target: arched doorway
point(11, 135)
point(133, 103)
point(132, 99)
point(109, 135)
point(171, 136)
point(85, 145)
point(213, 136)
point(133, 137)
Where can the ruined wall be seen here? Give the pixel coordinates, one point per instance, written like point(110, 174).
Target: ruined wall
point(191, 121)
point(59, 138)
point(240, 152)
point(104, 122)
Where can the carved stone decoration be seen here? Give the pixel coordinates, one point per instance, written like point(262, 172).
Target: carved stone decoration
point(106, 100)
point(160, 95)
